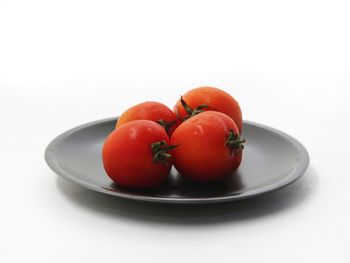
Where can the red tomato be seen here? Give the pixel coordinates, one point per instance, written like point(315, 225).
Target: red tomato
point(209, 146)
point(208, 98)
point(136, 154)
point(150, 110)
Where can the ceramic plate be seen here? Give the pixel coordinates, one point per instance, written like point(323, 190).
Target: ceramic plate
point(272, 160)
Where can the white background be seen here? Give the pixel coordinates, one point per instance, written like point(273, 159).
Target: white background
point(64, 63)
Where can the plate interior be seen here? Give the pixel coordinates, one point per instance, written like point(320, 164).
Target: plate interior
point(271, 160)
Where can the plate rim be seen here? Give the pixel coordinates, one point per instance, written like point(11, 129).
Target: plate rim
point(293, 176)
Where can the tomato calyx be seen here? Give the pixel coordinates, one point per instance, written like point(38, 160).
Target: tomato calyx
point(161, 153)
point(166, 124)
point(235, 142)
point(191, 112)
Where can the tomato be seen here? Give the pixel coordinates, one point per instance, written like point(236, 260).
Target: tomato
point(209, 147)
point(208, 98)
point(137, 154)
point(150, 110)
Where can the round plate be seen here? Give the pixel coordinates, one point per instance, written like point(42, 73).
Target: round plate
point(271, 160)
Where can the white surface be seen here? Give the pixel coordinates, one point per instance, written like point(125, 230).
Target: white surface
point(63, 63)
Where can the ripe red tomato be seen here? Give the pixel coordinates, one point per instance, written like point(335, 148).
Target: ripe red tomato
point(209, 146)
point(153, 111)
point(137, 154)
point(208, 98)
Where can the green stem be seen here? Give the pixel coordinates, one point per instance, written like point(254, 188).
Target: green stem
point(166, 124)
point(161, 153)
point(191, 112)
point(185, 105)
point(235, 142)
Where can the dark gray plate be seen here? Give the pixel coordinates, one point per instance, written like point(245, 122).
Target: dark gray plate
point(272, 160)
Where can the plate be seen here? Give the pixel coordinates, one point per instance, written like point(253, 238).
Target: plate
point(272, 160)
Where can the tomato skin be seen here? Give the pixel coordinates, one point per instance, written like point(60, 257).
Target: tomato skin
point(202, 154)
point(216, 99)
point(128, 158)
point(150, 110)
